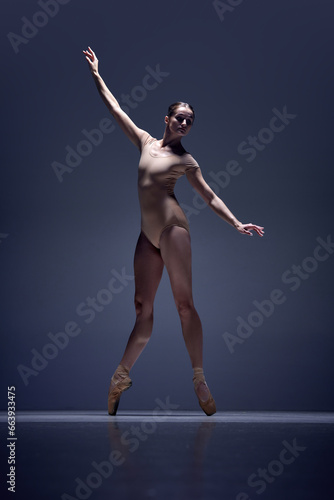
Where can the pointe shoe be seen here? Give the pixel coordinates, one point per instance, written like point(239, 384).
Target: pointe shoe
point(119, 383)
point(209, 405)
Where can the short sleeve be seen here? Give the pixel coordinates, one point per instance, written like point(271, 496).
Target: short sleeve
point(190, 162)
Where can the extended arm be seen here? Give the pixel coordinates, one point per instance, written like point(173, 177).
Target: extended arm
point(133, 132)
point(217, 205)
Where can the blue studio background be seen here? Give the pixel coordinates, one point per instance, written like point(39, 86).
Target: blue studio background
point(259, 75)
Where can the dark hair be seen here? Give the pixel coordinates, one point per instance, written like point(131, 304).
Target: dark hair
point(173, 107)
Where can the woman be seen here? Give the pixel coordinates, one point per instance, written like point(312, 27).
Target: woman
point(164, 239)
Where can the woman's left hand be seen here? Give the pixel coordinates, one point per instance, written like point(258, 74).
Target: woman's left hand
point(247, 228)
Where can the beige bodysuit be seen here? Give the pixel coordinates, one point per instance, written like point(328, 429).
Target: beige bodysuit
point(157, 175)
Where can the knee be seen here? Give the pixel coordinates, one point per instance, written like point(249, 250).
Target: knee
point(144, 309)
point(184, 306)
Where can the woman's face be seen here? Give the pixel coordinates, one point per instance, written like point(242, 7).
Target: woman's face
point(181, 121)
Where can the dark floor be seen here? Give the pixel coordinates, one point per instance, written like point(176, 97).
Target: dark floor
point(171, 455)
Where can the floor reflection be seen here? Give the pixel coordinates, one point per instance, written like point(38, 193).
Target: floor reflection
point(185, 446)
point(137, 457)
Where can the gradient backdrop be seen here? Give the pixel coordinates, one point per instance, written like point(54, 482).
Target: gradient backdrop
point(260, 76)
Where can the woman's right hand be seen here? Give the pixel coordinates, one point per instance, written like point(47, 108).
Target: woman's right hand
point(93, 61)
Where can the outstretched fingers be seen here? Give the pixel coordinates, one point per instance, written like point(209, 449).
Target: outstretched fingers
point(247, 228)
point(90, 55)
point(91, 59)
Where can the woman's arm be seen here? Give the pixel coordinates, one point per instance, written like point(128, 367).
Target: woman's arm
point(133, 132)
point(197, 181)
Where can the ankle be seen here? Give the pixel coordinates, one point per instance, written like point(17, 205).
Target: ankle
point(123, 369)
point(198, 375)
point(120, 373)
point(198, 372)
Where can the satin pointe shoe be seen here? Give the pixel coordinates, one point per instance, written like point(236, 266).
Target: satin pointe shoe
point(209, 405)
point(119, 383)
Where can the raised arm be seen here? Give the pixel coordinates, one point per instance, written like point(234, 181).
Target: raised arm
point(197, 181)
point(133, 132)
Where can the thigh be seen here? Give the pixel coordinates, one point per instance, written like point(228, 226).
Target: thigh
point(148, 268)
point(175, 247)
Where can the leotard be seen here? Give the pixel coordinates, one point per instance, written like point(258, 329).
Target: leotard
point(157, 175)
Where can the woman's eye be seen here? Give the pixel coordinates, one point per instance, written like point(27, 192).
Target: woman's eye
point(180, 119)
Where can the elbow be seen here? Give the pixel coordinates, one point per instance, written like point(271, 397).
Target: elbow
point(114, 109)
point(211, 199)
point(206, 193)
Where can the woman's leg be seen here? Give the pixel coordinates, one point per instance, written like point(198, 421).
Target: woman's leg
point(176, 253)
point(148, 268)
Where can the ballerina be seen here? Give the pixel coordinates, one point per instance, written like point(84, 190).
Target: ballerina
point(164, 239)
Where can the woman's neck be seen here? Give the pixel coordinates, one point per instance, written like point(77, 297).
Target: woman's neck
point(174, 142)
